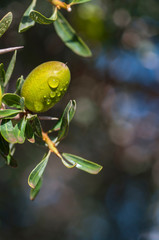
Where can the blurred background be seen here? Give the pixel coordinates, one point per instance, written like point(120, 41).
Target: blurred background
point(116, 125)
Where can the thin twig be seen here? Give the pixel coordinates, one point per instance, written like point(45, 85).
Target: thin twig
point(11, 49)
point(47, 118)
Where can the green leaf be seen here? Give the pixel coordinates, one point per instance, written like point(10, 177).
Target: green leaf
point(11, 161)
point(29, 133)
point(2, 75)
point(26, 21)
point(38, 171)
point(19, 84)
point(4, 146)
point(9, 113)
point(11, 100)
point(36, 126)
point(68, 114)
point(10, 68)
point(13, 134)
point(41, 19)
point(65, 120)
point(70, 38)
point(5, 23)
point(19, 130)
point(34, 191)
point(79, 1)
point(83, 164)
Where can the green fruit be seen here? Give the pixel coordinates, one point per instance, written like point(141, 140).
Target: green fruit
point(45, 86)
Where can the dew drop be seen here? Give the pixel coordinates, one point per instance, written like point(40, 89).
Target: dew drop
point(52, 94)
point(38, 106)
point(45, 96)
point(48, 101)
point(58, 94)
point(53, 82)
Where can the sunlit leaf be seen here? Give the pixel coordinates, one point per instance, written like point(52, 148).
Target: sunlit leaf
point(19, 130)
point(10, 68)
point(11, 100)
point(38, 171)
point(19, 84)
point(9, 113)
point(66, 117)
point(34, 191)
point(11, 133)
point(26, 21)
point(5, 23)
point(79, 1)
point(41, 19)
point(70, 38)
point(82, 163)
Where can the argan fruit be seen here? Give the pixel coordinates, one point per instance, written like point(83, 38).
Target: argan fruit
point(45, 86)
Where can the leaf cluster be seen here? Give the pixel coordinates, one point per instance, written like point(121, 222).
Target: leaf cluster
point(62, 27)
point(18, 124)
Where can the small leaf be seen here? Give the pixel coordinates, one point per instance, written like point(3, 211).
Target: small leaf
point(11, 100)
point(19, 85)
point(2, 74)
point(37, 126)
point(26, 21)
point(11, 161)
point(5, 23)
point(83, 164)
point(70, 38)
point(10, 68)
point(29, 132)
point(34, 191)
point(19, 130)
point(13, 134)
point(68, 113)
point(41, 19)
point(38, 171)
point(9, 113)
point(78, 2)
point(4, 146)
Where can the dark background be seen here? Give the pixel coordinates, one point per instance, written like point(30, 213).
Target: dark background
point(116, 125)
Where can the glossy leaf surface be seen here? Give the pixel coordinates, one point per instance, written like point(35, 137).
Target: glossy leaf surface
point(41, 19)
point(13, 134)
point(83, 164)
point(26, 21)
point(34, 191)
point(9, 113)
point(5, 23)
point(11, 100)
point(38, 171)
point(10, 68)
point(70, 38)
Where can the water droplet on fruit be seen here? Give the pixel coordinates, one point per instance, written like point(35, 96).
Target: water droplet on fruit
point(38, 106)
point(48, 101)
point(52, 94)
point(53, 82)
